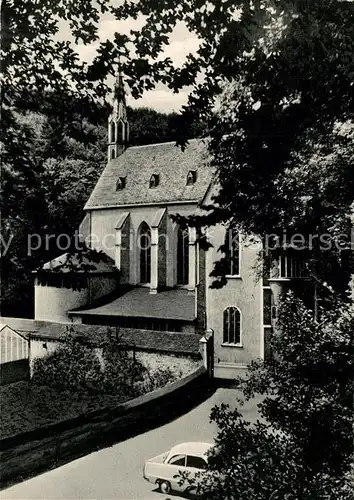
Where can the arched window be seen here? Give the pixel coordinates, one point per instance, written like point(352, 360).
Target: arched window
point(113, 153)
point(120, 137)
point(144, 243)
point(232, 252)
point(182, 256)
point(113, 132)
point(232, 326)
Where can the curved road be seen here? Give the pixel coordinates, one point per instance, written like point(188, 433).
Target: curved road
point(116, 472)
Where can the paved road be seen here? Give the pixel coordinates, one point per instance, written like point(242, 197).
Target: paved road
point(116, 472)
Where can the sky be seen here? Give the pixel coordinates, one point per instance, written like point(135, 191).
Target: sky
point(181, 43)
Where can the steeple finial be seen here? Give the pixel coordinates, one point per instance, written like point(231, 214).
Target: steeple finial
point(119, 104)
point(118, 126)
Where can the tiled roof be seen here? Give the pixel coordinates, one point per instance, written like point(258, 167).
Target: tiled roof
point(139, 163)
point(175, 304)
point(178, 343)
point(24, 325)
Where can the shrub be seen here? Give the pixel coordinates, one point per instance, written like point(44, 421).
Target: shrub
point(121, 370)
point(304, 449)
point(72, 366)
point(157, 378)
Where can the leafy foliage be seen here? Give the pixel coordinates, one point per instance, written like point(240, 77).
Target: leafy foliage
point(148, 126)
point(154, 379)
point(303, 448)
point(273, 81)
point(39, 194)
point(76, 365)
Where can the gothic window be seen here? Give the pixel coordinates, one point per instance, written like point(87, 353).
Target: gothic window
point(144, 243)
point(191, 177)
point(120, 184)
point(154, 180)
point(182, 256)
point(232, 252)
point(232, 326)
point(113, 132)
point(120, 132)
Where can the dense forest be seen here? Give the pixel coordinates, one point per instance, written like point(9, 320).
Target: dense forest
point(57, 163)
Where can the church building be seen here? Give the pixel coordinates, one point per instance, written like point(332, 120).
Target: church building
point(153, 275)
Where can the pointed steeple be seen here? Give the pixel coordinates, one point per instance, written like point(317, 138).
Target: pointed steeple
point(118, 126)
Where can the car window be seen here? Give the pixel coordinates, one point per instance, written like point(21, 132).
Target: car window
point(178, 460)
point(197, 462)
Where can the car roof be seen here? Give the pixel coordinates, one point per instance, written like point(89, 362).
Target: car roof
point(193, 448)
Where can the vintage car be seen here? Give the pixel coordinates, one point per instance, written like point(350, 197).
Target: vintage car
point(190, 457)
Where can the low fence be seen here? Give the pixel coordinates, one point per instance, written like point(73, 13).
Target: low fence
point(30, 453)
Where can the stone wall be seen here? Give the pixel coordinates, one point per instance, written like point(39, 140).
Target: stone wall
point(156, 349)
point(33, 452)
point(179, 365)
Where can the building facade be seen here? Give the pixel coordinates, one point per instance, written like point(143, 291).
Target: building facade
point(164, 275)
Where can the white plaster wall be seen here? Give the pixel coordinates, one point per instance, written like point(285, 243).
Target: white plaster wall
point(246, 294)
point(41, 349)
point(51, 303)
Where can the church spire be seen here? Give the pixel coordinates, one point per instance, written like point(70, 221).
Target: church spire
point(119, 104)
point(118, 126)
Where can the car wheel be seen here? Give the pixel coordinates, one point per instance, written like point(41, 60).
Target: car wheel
point(191, 490)
point(165, 487)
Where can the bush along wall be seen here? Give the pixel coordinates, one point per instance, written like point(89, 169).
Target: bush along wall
point(110, 368)
point(84, 368)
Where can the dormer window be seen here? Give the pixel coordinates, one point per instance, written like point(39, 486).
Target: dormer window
point(154, 180)
point(191, 177)
point(120, 184)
